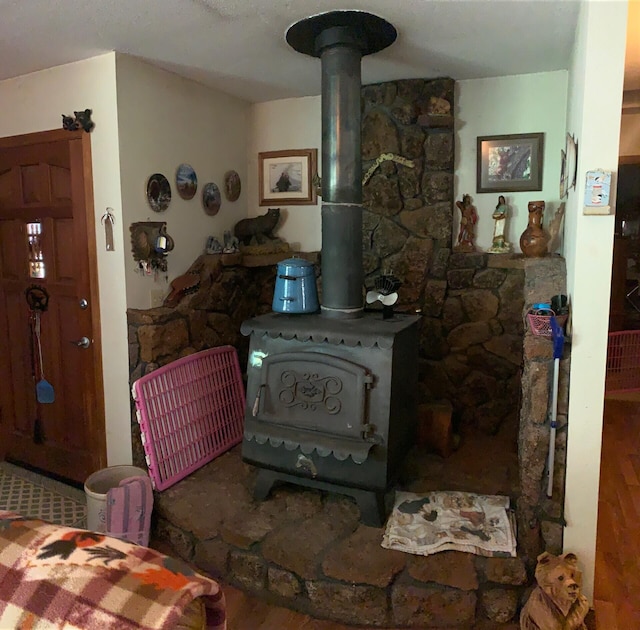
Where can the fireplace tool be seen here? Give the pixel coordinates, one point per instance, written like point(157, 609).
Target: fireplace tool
point(558, 346)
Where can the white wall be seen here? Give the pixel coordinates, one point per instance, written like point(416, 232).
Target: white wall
point(527, 103)
point(287, 124)
point(595, 89)
point(165, 120)
point(35, 102)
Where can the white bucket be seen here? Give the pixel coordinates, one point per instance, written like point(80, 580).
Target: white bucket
point(96, 487)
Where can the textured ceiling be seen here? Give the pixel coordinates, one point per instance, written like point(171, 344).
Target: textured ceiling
point(238, 46)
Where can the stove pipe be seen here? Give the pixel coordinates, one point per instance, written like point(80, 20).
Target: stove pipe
point(341, 39)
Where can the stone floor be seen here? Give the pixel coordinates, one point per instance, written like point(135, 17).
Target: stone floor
point(306, 549)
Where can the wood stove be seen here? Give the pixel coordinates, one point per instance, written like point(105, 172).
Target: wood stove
point(331, 397)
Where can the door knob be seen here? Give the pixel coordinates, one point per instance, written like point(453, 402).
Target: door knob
point(83, 342)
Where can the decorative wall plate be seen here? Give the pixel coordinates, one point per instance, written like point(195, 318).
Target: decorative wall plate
point(572, 162)
point(158, 192)
point(569, 166)
point(211, 199)
point(232, 185)
point(563, 174)
point(186, 181)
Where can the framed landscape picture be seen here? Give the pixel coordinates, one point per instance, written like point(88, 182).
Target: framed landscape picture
point(286, 177)
point(511, 163)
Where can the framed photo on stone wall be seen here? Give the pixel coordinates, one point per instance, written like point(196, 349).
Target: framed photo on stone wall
point(511, 163)
point(286, 177)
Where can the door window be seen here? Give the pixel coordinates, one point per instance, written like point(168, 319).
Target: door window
point(34, 244)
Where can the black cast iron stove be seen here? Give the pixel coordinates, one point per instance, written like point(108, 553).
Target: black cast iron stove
point(331, 397)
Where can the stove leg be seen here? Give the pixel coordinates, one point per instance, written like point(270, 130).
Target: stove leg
point(372, 506)
point(264, 483)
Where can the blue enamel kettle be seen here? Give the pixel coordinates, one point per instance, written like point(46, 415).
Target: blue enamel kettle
point(295, 290)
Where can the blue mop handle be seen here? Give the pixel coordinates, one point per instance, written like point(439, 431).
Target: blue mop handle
point(558, 346)
point(558, 338)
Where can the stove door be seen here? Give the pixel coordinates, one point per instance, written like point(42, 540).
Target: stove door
point(315, 391)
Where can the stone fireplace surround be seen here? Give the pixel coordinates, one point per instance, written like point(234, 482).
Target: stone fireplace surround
point(475, 351)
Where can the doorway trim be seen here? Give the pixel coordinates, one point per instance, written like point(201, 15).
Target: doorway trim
point(629, 159)
point(81, 159)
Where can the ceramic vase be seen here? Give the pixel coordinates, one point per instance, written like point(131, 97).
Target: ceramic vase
point(534, 239)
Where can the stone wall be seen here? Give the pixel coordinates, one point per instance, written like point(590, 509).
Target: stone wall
point(473, 349)
point(471, 340)
point(209, 316)
point(541, 518)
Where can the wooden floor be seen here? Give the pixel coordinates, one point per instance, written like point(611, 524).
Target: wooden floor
point(617, 576)
point(248, 613)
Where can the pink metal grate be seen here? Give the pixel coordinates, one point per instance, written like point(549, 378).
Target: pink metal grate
point(623, 361)
point(189, 411)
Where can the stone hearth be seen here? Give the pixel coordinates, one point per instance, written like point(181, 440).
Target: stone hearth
point(306, 550)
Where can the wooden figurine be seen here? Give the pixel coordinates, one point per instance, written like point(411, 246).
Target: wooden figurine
point(468, 220)
point(499, 244)
point(534, 239)
point(556, 603)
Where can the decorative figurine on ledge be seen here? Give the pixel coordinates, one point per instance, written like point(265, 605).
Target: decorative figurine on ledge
point(82, 119)
point(554, 229)
point(231, 243)
point(468, 222)
point(214, 246)
point(499, 244)
point(257, 229)
point(556, 603)
point(534, 240)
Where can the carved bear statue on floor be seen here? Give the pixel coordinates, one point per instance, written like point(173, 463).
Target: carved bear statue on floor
point(556, 603)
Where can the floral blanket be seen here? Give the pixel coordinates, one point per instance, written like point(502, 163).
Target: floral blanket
point(54, 577)
point(423, 524)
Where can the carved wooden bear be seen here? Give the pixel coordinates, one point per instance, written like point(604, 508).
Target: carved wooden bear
point(556, 603)
point(259, 228)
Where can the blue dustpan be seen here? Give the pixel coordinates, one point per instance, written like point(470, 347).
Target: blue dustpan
point(44, 391)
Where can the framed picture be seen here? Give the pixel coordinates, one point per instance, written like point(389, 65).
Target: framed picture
point(286, 177)
point(510, 163)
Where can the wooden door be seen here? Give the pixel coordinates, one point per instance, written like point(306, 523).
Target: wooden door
point(47, 241)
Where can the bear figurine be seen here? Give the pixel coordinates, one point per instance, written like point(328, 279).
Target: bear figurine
point(556, 602)
point(257, 229)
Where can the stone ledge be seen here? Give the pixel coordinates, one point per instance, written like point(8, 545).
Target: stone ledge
point(266, 260)
point(506, 261)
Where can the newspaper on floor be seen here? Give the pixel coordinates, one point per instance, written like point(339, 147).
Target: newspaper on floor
point(425, 524)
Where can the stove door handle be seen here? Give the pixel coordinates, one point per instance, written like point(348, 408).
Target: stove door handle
point(256, 402)
point(306, 464)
